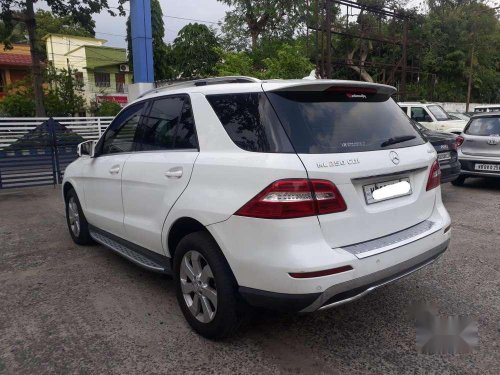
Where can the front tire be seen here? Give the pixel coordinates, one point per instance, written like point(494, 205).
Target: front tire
point(205, 287)
point(459, 181)
point(77, 224)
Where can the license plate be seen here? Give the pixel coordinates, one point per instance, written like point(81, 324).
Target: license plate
point(369, 189)
point(488, 167)
point(443, 156)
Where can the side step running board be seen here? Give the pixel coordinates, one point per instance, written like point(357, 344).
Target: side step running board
point(127, 251)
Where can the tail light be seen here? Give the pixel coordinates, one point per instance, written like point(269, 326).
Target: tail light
point(292, 198)
point(434, 176)
point(458, 142)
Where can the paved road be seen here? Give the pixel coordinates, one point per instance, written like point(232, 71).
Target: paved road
point(69, 309)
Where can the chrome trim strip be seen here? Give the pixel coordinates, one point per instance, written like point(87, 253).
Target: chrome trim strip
point(405, 171)
point(127, 253)
point(381, 244)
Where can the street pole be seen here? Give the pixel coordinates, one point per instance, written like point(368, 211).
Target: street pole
point(142, 46)
point(403, 69)
point(328, 39)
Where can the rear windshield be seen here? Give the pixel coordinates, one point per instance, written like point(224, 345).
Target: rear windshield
point(338, 122)
point(484, 126)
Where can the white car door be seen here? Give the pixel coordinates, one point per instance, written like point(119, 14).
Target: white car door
point(421, 115)
point(103, 173)
point(158, 172)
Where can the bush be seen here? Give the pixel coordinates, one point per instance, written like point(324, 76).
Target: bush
point(108, 108)
point(19, 104)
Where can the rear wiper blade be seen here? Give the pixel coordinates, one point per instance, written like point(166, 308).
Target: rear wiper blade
point(393, 141)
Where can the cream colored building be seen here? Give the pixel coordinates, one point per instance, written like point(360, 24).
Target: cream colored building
point(103, 70)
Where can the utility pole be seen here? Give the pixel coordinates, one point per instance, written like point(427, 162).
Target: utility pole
point(35, 57)
point(469, 83)
point(142, 46)
point(403, 68)
point(328, 39)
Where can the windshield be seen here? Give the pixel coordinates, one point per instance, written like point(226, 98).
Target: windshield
point(484, 126)
point(439, 113)
point(320, 122)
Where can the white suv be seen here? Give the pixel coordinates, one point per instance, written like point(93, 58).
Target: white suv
point(433, 117)
point(289, 195)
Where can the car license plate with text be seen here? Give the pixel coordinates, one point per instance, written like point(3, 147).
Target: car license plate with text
point(369, 189)
point(443, 156)
point(487, 167)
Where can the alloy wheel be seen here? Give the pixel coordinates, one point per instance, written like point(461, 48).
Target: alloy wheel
point(198, 286)
point(73, 216)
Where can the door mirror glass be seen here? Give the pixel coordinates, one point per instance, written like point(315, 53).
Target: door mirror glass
point(86, 148)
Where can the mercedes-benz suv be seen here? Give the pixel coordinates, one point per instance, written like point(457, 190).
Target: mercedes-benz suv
point(288, 195)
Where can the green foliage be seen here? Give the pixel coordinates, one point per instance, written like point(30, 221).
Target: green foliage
point(235, 64)
point(108, 108)
point(195, 51)
point(248, 21)
point(64, 96)
point(289, 63)
point(18, 104)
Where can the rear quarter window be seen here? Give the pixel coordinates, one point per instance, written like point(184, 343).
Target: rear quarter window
point(250, 122)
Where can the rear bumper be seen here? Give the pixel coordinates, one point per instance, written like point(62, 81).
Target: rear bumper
point(468, 166)
point(450, 171)
point(345, 292)
point(263, 253)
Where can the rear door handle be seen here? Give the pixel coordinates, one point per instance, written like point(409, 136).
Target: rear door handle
point(115, 169)
point(175, 172)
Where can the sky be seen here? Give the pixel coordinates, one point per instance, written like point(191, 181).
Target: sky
point(207, 10)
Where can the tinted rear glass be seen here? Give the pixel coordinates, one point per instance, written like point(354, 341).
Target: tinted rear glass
point(338, 122)
point(484, 126)
point(251, 122)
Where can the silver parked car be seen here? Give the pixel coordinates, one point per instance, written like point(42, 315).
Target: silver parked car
point(479, 154)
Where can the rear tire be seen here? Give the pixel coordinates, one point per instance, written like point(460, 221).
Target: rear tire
point(77, 223)
point(459, 181)
point(205, 287)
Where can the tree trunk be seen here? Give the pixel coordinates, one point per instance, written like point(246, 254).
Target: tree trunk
point(254, 35)
point(35, 56)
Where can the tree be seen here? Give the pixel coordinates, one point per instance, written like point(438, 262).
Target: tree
point(65, 96)
point(235, 64)
point(161, 58)
point(107, 108)
point(289, 63)
point(275, 19)
point(12, 11)
point(195, 51)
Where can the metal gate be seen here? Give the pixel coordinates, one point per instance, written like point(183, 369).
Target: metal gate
point(39, 157)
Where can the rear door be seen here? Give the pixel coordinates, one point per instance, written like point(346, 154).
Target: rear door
point(159, 171)
point(359, 140)
point(482, 137)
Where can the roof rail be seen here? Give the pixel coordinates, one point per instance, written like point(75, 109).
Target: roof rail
point(201, 82)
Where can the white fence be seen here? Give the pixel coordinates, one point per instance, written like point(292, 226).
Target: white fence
point(13, 128)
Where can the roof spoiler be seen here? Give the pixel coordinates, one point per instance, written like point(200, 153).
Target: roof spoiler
point(328, 84)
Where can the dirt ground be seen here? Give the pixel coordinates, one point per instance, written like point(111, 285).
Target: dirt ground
point(69, 309)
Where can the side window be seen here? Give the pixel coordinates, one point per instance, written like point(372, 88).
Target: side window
point(420, 114)
point(404, 109)
point(186, 132)
point(121, 134)
point(159, 127)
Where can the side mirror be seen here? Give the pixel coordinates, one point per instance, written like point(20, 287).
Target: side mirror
point(86, 148)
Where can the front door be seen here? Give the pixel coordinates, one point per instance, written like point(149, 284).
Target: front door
point(156, 175)
point(421, 115)
point(103, 173)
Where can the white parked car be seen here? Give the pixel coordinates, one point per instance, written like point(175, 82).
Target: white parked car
point(288, 195)
point(433, 117)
